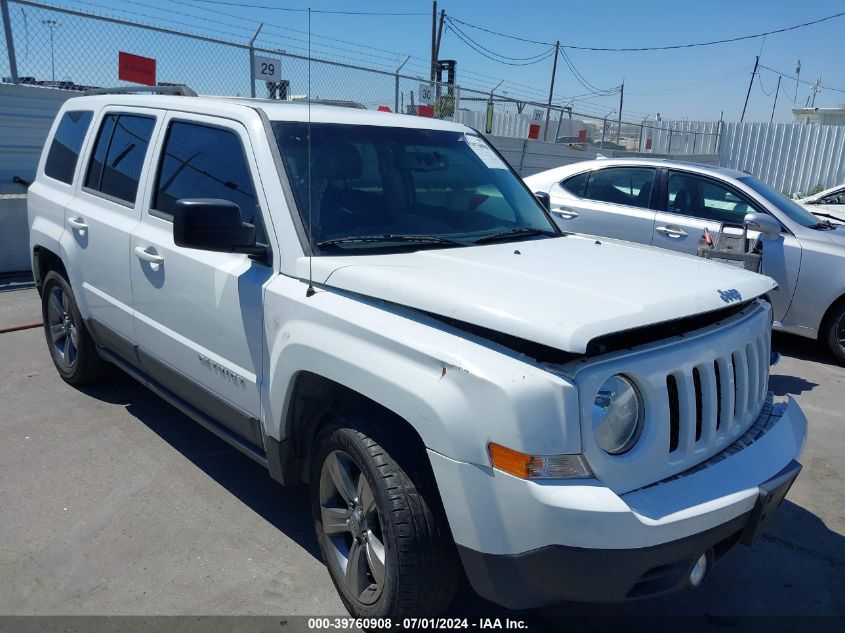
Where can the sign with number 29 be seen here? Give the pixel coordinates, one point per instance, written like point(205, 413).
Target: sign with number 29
point(266, 69)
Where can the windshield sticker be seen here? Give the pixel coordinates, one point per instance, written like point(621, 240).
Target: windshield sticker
point(484, 152)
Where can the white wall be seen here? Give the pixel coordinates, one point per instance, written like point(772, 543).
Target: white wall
point(26, 114)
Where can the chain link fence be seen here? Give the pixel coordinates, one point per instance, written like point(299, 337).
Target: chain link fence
point(63, 48)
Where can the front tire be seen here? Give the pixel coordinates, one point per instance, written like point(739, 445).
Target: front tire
point(833, 332)
point(71, 346)
point(380, 524)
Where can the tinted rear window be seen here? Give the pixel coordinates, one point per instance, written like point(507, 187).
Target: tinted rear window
point(64, 150)
point(115, 167)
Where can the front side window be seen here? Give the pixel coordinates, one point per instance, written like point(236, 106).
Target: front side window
point(201, 161)
point(390, 184)
point(118, 158)
point(630, 186)
point(706, 199)
point(67, 142)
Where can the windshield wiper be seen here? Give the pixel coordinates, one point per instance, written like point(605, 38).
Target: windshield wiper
point(824, 225)
point(510, 234)
point(419, 240)
point(827, 215)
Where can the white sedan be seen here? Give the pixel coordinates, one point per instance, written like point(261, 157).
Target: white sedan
point(670, 204)
point(827, 203)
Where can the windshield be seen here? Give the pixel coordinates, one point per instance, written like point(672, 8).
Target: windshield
point(793, 211)
point(375, 187)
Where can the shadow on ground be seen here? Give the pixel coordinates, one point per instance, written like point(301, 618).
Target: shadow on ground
point(801, 348)
point(286, 508)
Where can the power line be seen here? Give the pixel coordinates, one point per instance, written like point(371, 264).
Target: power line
point(482, 52)
point(458, 31)
point(630, 49)
point(801, 81)
point(243, 5)
point(583, 80)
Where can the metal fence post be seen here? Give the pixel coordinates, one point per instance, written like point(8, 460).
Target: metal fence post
point(10, 44)
point(252, 60)
point(396, 86)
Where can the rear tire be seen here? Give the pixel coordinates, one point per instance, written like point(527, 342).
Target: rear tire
point(71, 346)
point(375, 503)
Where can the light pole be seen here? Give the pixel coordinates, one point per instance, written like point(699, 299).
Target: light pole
point(52, 25)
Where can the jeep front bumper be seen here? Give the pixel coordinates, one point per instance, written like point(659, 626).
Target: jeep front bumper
point(529, 543)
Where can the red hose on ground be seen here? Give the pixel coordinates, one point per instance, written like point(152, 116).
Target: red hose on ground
point(17, 328)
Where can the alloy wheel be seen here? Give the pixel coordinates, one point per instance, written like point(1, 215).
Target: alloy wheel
point(62, 328)
point(352, 527)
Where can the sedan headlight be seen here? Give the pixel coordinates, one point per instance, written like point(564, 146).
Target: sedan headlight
point(617, 415)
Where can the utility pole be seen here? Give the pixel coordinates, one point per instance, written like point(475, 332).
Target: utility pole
point(816, 88)
point(52, 25)
point(750, 83)
point(619, 118)
point(551, 90)
point(433, 40)
point(772, 118)
point(797, 81)
point(437, 51)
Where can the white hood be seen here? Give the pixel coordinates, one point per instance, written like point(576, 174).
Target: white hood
point(560, 292)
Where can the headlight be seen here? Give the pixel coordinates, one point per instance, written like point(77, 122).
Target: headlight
point(617, 415)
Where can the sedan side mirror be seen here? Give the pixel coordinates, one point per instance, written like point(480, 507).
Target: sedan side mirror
point(544, 199)
point(764, 223)
point(211, 224)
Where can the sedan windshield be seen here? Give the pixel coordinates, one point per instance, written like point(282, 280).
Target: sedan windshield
point(378, 187)
point(792, 210)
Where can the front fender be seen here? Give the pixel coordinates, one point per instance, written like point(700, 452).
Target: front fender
point(458, 393)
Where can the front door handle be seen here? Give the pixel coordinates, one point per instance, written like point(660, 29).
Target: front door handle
point(77, 223)
point(566, 214)
point(671, 231)
point(154, 259)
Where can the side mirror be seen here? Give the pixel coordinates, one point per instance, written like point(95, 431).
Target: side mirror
point(764, 223)
point(544, 199)
point(210, 224)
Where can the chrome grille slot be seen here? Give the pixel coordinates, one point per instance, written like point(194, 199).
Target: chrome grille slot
point(719, 397)
point(705, 427)
point(696, 382)
point(674, 412)
point(741, 385)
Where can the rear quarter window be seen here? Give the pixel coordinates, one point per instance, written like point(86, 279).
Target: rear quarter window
point(67, 142)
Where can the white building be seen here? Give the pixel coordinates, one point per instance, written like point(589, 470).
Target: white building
point(819, 116)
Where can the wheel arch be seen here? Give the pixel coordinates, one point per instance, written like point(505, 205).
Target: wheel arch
point(313, 401)
point(45, 260)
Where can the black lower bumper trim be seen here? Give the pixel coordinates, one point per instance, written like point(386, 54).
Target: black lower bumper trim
point(558, 573)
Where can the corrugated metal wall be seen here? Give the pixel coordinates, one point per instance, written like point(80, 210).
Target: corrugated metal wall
point(26, 113)
point(791, 157)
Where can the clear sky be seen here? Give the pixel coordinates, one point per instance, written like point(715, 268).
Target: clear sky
point(694, 83)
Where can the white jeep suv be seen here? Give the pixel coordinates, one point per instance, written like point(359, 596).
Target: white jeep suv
point(376, 305)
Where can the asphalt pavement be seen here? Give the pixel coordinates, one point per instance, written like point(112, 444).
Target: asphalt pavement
point(114, 503)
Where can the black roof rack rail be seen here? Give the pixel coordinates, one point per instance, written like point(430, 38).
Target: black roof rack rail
point(182, 91)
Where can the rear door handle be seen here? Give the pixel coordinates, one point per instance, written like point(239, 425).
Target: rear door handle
point(567, 214)
point(671, 231)
point(77, 223)
point(145, 254)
